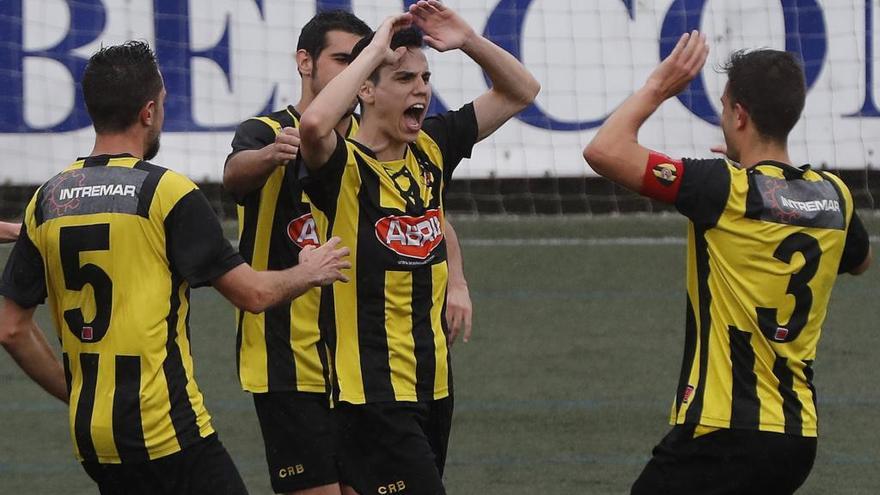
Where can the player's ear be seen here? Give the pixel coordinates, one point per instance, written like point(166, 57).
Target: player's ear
point(147, 115)
point(740, 115)
point(367, 93)
point(304, 63)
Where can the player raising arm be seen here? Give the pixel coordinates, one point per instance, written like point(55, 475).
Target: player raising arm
point(383, 191)
point(766, 241)
point(282, 361)
point(513, 87)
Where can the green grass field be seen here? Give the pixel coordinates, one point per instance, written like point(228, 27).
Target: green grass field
point(565, 387)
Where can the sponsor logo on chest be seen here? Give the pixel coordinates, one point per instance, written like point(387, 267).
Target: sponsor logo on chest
point(413, 237)
point(303, 232)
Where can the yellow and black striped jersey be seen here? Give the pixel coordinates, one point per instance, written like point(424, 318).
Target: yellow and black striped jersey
point(764, 249)
point(386, 327)
point(279, 349)
point(115, 243)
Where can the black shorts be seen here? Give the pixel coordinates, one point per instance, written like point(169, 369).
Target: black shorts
point(394, 447)
point(204, 467)
point(746, 462)
point(300, 439)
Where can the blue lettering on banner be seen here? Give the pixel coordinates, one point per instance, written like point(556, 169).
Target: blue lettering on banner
point(869, 108)
point(174, 51)
point(804, 34)
point(325, 5)
point(87, 21)
point(504, 28)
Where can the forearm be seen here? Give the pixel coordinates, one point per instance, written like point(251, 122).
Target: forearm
point(455, 261)
point(9, 231)
point(621, 130)
point(615, 152)
point(247, 171)
point(334, 101)
point(28, 347)
point(255, 292)
point(509, 77)
point(276, 287)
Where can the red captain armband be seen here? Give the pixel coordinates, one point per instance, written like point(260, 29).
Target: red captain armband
point(662, 177)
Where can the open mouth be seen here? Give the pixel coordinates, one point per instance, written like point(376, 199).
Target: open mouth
point(413, 116)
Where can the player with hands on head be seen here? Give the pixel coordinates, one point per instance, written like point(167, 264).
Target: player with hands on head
point(383, 191)
point(281, 355)
point(766, 241)
point(282, 361)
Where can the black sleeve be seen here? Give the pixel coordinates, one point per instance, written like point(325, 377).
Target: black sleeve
point(857, 245)
point(197, 249)
point(24, 279)
point(705, 187)
point(322, 185)
point(455, 132)
point(252, 134)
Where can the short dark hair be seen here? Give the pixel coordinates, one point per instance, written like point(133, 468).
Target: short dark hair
point(118, 81)
point(409, 37)
point(770, 85)
point(313, 37)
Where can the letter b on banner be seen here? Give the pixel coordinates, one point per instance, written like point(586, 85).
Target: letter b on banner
point(87, 21)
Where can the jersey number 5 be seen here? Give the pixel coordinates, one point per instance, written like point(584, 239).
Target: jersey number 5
point(75, 240)
point(797, 287)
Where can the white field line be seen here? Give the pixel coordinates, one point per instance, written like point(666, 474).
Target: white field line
point(571, 241)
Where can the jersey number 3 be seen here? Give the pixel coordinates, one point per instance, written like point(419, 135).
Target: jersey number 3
point(75, 240)
point(797, 287)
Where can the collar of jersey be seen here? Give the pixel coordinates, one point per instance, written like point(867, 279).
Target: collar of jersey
point(292, 111)
point(101, 160)
point(787, 169)
point(367, 151)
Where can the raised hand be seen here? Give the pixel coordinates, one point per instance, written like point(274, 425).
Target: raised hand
point(444, 29)
point(324, 265)
point(382, 37)
point(285, 147)
point(681, 66)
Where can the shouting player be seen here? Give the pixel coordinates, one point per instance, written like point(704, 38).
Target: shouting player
point(382, 191)
point(282, 360)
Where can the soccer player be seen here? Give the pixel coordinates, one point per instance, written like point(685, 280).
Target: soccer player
point(116, 243)
point(766, 241)
point(9, 231)
point(282, 360)
point(383, 193)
